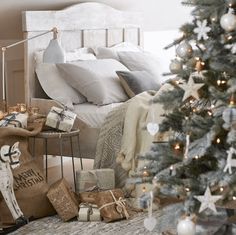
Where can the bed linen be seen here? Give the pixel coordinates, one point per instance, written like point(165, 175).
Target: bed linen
point(94, 115)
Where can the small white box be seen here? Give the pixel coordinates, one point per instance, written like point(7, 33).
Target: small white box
point(88, 212)
point(60, 119)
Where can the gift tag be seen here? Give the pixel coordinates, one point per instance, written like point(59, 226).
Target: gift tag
point(152, 128)
point(150, 223)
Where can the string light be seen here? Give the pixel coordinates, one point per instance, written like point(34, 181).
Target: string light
point(234, 198)
point(221, 189)
point(218, 140)
point(145, 174)
point(177, 146)
point(209, 112)
point(196, 157)
point(171, 169)
point(187, 189)
point(218, 82)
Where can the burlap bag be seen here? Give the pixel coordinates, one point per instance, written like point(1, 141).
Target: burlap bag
point(29, 183)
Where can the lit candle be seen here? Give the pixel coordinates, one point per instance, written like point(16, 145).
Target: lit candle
point(1, 115)
point(21, 108)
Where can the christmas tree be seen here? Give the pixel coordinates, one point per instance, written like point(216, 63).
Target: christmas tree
point(196, 163)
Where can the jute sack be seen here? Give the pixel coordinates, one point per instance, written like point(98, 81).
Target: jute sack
point(29, 184)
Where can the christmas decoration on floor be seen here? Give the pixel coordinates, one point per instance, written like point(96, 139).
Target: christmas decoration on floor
point(198, 162)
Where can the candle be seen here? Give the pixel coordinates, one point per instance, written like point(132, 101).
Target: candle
point(21, 108)
point(1, 115)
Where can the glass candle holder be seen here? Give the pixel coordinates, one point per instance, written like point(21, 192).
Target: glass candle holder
point(34, 111)
point(22, 108)
point(13, 109)
point(1, 115)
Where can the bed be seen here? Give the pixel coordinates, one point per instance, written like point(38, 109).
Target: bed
point(82, 25)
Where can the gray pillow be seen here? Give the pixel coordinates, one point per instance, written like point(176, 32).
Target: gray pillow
point(135, 82)
point(56, 87)
point(96, 80)
point(140, 61)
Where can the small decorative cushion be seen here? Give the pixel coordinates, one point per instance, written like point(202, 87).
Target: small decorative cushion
point(96, 80)
point(56, 87)
point(135, 82)
point(140, 61)
point(111, 52)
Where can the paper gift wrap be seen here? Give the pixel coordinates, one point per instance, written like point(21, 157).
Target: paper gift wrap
point(60, 119)
point(102, 179)
point(15, 119)
point(63, 200)
point(88, 212)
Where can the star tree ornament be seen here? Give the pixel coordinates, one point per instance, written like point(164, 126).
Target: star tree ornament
point(208, 200)
point(201, 30)
point(191, 89)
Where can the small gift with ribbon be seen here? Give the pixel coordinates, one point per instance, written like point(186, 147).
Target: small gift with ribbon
point(88, 212)
point(60, 119)
point(15, 119)
point(112, 205)
point(95, 180)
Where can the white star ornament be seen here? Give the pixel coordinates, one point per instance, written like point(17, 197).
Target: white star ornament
point(191, 89)
point(208, 201)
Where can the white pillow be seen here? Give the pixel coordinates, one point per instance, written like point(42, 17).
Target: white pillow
point(111, 52)
point(141, 61)
point(82, 53)
point(56, 87)
point(96, 80)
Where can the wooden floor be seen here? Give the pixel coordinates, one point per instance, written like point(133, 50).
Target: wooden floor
point(54, 172)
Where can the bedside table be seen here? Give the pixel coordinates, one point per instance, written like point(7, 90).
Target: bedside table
point(60, 136)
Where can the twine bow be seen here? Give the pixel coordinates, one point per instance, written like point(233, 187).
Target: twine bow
point(120, 205)
point(61, 115)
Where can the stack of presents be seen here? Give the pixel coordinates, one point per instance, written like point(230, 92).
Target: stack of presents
point(27, 196)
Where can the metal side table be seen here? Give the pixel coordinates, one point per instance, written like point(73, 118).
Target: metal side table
point(53, 134)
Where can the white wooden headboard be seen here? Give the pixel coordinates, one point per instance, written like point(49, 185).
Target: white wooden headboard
point(82, 25)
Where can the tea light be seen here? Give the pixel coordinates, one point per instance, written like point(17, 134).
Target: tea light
point(13, 109)
point(1, 115)
point(21, 108)
point(34, 110)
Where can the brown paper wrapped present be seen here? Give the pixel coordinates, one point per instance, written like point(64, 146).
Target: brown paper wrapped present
point(63, 200)
point(88, 180)
point(88, 197)
point(88, 212)
point(112, 205)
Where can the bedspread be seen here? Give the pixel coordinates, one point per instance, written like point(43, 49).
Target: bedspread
point(124, 135)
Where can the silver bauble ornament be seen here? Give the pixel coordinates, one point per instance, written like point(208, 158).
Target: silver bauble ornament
point(229, 117)
point(228, 21)
point(176, 66)
point(184, 50)
point(186, 227)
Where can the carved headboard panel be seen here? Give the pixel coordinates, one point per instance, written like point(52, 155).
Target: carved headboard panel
point(81, 25)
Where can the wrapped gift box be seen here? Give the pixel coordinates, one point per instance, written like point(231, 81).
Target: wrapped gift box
point(88, 212)
point(60, 119)
point(102, 179)
point(112, 205)
point(88, 197)
point(15, 119)
point(63, 200)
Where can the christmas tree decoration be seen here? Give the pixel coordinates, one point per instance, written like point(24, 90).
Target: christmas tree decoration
point(184, 50)
point(176, 66)
point(230, 162)
point(231, 3)
point(187, 146)
point(229, 117)
point(152, 128)
point(208, 201)
point(201, 30)
point(186, 226)
point(228, 21)
point(150, 222)
point(199, 65)
point(231, 47)
point(191, 89)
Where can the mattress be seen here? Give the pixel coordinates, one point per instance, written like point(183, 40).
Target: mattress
point(93, 115)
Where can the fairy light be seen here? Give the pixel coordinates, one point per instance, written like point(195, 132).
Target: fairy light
point(145, 174)
point(171, 169)
point(234, 198)
point(229, 37)
point(212, 106)
point(187, 189)
point(218, 140)
point(196, 157)
point(218, 82)
point(191, 101)
point(221, 189)
point(209, 112)
point(177, 146)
